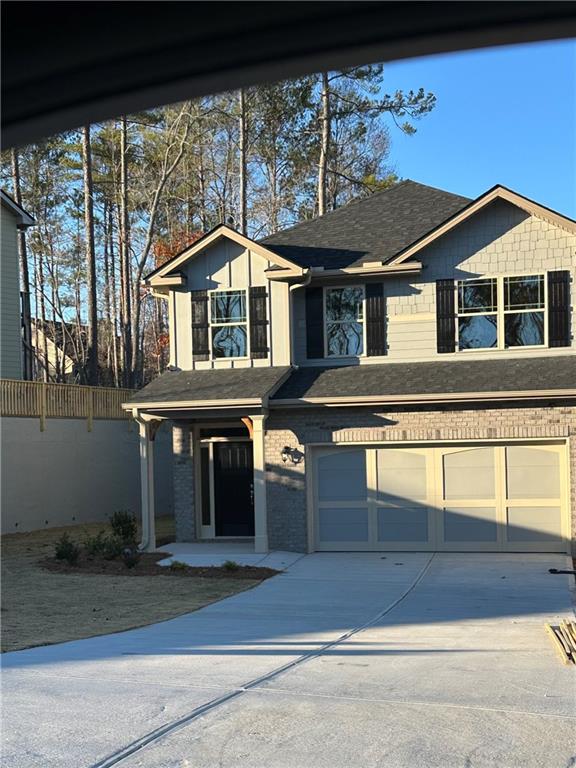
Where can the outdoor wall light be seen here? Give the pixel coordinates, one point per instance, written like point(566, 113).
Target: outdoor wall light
point(293, 454)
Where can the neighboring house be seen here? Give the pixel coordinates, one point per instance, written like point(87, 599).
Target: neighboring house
point(59, 347)
point(399, 374)
point(14, 218)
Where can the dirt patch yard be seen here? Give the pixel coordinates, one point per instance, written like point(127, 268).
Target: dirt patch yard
point(41, 605)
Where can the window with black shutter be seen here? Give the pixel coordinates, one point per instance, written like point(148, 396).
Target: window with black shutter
point(375, 320)
point(258, 323)
point(200, 342)
point(559, 308)
point(314, 322)
point(445, 316)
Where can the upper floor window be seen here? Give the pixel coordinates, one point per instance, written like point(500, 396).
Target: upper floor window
point(502, 312)
point(344, 321)
point(229, 323)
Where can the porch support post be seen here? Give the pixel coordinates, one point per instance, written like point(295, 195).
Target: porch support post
point(260, 514)
point(147, 433)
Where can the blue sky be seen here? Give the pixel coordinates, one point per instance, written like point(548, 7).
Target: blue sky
point(503, 115)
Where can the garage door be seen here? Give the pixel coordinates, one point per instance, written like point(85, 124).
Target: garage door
point(460, 497)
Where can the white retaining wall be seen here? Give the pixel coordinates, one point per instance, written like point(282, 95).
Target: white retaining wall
point(67, 475)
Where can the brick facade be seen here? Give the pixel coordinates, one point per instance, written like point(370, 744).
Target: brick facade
point(287, 503)
point(298, 428)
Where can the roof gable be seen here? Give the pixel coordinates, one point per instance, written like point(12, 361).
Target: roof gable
point(163, 275)
point(24, 218)
point(497, 192)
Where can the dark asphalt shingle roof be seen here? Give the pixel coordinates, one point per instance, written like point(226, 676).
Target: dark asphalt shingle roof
point(457, 376)
point(375, 228)
point(217, 384)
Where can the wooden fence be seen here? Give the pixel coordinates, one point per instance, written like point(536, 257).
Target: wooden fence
point(64, 401)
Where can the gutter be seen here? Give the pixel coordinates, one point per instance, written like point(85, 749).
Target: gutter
point(370, 269)
point(185, 404)
point(423, 399)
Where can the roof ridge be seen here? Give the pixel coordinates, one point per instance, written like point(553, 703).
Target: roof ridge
point(338, 210)
point(359, 201)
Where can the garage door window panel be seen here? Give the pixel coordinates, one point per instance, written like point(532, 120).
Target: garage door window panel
point(401, 476)
point(534, 524)
point(342, 476)
point(397, 524)
point(343, 524)
point(469, 474)
point(532, 473)
point(470, 524)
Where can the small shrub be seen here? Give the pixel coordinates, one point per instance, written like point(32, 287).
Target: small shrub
point(123, 525)
point(230, 565)
point(95, 545)
point(112, 547)
point(130, 556)
point(67, 550)
point(178, 565)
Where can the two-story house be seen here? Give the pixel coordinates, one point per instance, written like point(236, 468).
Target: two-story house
point(399, 374)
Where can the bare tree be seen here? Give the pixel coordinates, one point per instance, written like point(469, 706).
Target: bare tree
point(24, 272)
point(92, 352)
point(171, 156)
point(242, 159)
point(125, 266)
point(325, 118)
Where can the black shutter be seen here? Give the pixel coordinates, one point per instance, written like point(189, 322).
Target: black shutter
point(314, 322)
point(445, 316)
point(375, 319)
point(258, 323)
point(559, 308)
point(200, 342)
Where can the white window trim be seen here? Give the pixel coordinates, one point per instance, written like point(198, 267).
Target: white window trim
point(501, 312)
point(327, 288)
point(222, 325)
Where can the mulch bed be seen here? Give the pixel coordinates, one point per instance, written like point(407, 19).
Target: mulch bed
point(148, 566)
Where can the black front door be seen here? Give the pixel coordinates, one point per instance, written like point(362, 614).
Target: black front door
point(233, 489)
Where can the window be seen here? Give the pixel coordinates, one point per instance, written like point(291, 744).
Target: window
point(501, 312)
point(344, 319)
point(229, 323)
point(524, 311)
point(477, 314)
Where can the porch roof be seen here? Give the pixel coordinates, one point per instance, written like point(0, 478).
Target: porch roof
point(215, 388)
point(466, 380)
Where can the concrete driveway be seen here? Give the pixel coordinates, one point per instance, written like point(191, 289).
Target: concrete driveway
point(379, 659)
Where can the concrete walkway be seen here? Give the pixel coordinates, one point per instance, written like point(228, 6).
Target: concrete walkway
point(449, 666)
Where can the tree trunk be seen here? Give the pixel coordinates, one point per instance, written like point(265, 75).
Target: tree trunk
point(202, 187)
point(92, 354)
point(243, 161)
point(125, 258)
point(24, 275)
point(43, 323)
point(324, 144)
point(113, 300)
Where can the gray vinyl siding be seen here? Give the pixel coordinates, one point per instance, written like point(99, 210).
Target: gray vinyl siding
point(224, 265)
point(10, 338)
point(501, 239)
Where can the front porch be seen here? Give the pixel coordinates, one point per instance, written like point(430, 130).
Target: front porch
point(219, 485)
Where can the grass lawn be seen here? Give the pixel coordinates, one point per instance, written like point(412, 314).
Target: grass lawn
point(40, 607)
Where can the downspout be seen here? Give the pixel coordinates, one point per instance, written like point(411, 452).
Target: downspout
point(303, 284)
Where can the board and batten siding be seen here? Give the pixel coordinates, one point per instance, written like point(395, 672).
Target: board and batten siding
point(500, 240)
point(10, 338)
point(227, 265)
